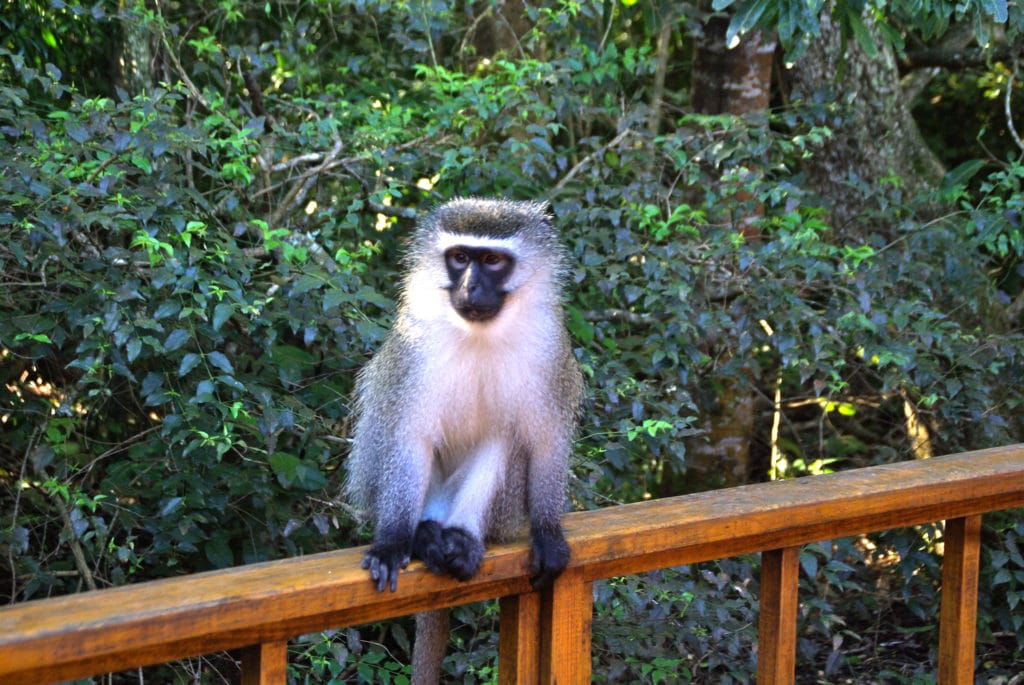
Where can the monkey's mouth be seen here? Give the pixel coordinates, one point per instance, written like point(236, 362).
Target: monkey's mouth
point(477, 314)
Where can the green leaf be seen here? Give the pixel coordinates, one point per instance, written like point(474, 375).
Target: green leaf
point(218, 551)
point(220, 361)
point(35, 337)
point(997, 9)
point(176, 339)
point(745, 19)
point(133, 348)
point(334, 297)
point(142, 163)
point(188, 362)
point(170, 505)
point(166, 309)
point(305, 283)
point(309, 476)
point(284, 466)
point(221, 313)
point(962, 174)
point(48, 37)
point(860, 30)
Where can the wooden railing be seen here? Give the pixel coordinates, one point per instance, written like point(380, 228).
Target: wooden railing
point(544, 637)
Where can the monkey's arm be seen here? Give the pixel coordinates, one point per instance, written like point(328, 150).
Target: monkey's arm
point(404, 474)
point(547, 480)
point(550, 554)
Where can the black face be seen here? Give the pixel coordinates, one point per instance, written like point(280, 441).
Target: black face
point(478, 280)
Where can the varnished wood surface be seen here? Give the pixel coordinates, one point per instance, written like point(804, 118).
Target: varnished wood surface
point(105, 630)
point(265, 664)
point(776, 626)
point(958, 615)
point(566, 612)
point(518, 643)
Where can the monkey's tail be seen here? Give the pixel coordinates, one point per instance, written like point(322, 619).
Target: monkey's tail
point(428, 651)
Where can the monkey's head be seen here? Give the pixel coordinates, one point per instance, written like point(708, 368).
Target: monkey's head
point(482, 252)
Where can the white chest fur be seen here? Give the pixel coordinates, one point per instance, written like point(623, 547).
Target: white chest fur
point(480, 390)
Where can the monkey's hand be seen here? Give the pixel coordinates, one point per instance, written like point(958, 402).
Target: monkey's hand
point(384, 560)
point(550, 555)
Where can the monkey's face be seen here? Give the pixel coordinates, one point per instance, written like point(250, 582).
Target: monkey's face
point(478, 280)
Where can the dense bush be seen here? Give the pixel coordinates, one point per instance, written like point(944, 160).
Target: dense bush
point(192, 273)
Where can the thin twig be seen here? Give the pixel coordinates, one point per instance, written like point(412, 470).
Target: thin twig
point(1006, 105)
point(14, 513)
point(468, 35)
point(196, 94)
point(309, 157)
point(624, 316)
point(306, 180)
point(607, 31)
point(121, 447)
point(76, 550)
point(586, 160)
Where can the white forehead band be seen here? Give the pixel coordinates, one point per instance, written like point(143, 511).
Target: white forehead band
point(446, 240)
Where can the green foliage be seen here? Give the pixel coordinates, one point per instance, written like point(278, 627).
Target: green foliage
point(686, 624)
point(335, 657)
point(193, 272)
point(162, 339)
point(798, 21)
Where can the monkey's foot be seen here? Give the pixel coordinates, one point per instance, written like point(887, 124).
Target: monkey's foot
point(428, 546)
point(452, 550)
point(463, 552)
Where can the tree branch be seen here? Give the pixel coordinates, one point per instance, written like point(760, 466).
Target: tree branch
point(954, 59)
point(305, 181)
point(1006, 106)
point(586, 160)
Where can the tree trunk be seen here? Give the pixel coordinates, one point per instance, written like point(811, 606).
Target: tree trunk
point(736, 81)
point(876, 144)
point(732, 81)
point(728, 81)
point(133, 56)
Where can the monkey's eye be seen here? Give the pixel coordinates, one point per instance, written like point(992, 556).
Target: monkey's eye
point(494, 260)
point(458, 259)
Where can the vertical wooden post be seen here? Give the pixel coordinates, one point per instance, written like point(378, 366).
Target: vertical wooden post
point(519, 640)
point(776, 638)
point(265, 663)
point(567, 608)
point(958, 616)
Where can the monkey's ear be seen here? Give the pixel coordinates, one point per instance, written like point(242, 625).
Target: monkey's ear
point(544, 209)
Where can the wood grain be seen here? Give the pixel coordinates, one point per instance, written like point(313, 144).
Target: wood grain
point(518, 643)
point(265, 664)
point(115, 629)
point(958, 615)
point(566, 611)
point(776, 627)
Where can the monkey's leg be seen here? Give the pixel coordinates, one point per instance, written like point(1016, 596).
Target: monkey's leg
point(473, 488)
point(428, 649)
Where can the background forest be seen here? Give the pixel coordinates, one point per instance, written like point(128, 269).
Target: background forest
point(797, 235)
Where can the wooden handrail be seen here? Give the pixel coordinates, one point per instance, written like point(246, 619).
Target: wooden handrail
point(258, 607)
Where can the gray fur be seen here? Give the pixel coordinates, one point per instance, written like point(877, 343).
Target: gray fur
point(469, 423)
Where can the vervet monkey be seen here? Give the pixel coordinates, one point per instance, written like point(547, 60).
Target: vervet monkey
point(466, 414)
